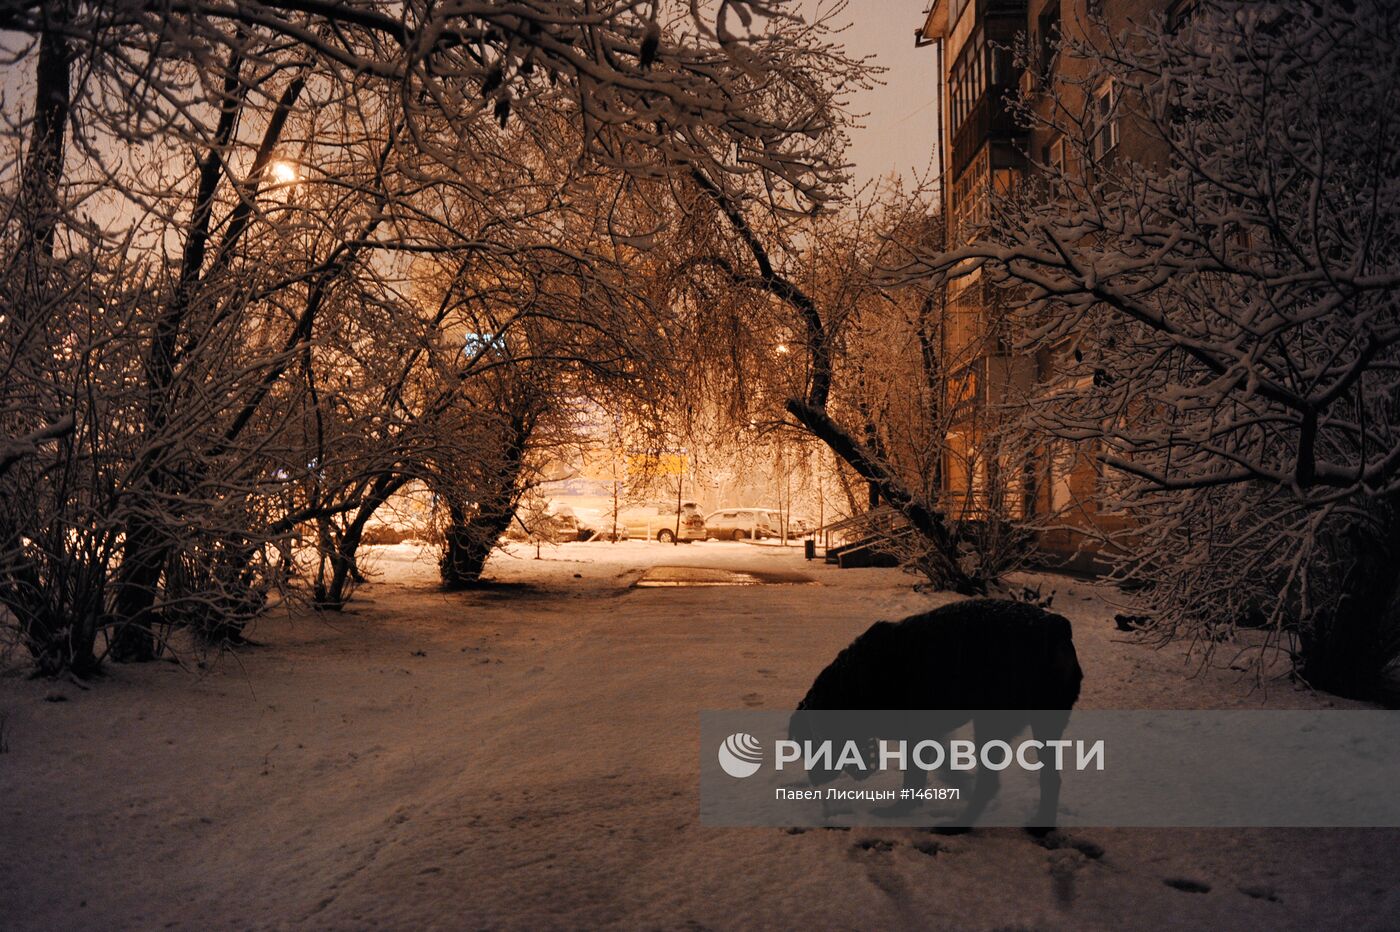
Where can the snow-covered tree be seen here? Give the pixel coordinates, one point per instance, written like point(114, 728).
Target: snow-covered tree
point(1213, 266)
point(212, 217)
point(861, 366)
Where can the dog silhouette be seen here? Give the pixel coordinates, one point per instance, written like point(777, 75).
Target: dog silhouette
point(1011, 663)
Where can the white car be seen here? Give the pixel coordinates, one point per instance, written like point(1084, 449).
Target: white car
point(743, 524)
point(659, 522)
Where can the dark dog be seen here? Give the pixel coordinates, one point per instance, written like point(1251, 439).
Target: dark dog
point(982, 655)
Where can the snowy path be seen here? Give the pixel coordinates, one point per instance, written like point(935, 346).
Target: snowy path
point(524, 757)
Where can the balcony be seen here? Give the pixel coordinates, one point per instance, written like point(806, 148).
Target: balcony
point(981, 80)
point(988, 122)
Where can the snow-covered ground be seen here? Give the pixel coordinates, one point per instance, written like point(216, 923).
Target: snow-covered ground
point(524, 756)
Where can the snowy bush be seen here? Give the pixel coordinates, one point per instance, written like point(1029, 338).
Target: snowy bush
point(1219, 296)
point(262, 264)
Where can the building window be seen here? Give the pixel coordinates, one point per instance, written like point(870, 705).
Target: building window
point(1055, 157)
point(963, 323)
point(981, 66)
point(1001, 65)
point(971, 198)
point(1061, 473)
point(1114, 488)
point(1178, 13)
point(1062, 162)
point(955, 9)
point(1105, 121)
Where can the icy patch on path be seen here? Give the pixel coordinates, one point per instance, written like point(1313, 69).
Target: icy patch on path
point(659, 576)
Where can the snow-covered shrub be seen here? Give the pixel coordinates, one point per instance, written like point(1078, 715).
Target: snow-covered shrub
point(1219, 294)
point(214, 334)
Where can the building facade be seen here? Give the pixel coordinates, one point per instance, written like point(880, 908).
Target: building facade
point(992, 54)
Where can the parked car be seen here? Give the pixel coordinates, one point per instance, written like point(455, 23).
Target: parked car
point(597, 524)
point(800, 526)
point(692, 523)
point(743, 523)
point(587, 522)
point(561, 525)
point(553, 524)
point(657, 521)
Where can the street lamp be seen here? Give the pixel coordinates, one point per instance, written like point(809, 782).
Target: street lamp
point(284, 172)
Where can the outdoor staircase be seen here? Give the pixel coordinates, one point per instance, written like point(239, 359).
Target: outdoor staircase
point(863, 540)
point(868, 551)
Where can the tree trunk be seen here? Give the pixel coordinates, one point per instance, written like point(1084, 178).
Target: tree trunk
point(470, 541)
point(1348, 649)
point(143, 560)
point(344, 566)
point(471, 537)
point(43, 168)
point(60, 640)
point(145, 553)
point(928, 522)
point(930, 315)
point(343, 570)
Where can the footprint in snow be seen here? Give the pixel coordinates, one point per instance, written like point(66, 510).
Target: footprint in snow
point(874, 844)
point(1056, 840)
point(1064, 863)
point(1187, 885)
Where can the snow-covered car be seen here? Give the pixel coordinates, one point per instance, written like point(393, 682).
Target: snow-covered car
point(663, 522)
point(562, 525)
point(800, 526)
point(557, 525)
point(743, 524)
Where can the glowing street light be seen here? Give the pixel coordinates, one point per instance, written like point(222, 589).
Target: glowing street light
point(284, 172)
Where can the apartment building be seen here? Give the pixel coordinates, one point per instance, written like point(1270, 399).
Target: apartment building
point(989, 53)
